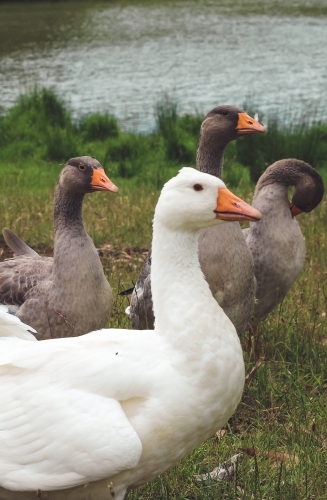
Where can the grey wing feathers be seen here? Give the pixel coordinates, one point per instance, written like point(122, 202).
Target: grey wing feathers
point(141, 310)
point(20, 274)
point(16, 244)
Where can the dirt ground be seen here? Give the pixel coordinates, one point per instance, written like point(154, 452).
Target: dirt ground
point(127, 254)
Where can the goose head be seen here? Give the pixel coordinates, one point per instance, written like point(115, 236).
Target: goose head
point(227, 123)
point(309, 189)
point(84, 174)
point(309, 186)
point(193, 200)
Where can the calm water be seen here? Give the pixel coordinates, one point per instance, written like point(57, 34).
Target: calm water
point(124, 58)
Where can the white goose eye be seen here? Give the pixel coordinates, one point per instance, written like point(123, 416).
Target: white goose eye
point(197, 187)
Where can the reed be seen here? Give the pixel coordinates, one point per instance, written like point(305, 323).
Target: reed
point(39, 128)
point(304, 141)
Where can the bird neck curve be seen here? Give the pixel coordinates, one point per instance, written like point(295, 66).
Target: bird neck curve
point(67, 211)
point(210, 157)
point(179, 290)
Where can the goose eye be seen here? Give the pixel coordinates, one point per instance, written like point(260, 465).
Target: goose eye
point(82, 167)
point(197, 187)
point(225, 113)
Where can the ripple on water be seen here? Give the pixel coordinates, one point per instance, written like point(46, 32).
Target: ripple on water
point(123, 59)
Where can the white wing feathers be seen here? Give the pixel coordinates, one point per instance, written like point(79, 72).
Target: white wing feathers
point(10, 326)
point(83, 437)
point(62, 418)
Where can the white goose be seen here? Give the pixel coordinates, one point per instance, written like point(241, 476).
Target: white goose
point(97, 414)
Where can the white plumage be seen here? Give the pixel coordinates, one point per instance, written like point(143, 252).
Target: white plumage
point(118, 407)
point(10, 326)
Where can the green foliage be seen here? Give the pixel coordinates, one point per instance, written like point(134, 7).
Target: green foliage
point(127, 154)
point(61, 144)
point(180, 134)
point(237, 175)
point(38, 127)
point(141, 159)
point(42, 106)
point(98, 127)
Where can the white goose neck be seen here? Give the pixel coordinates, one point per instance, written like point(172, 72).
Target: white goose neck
point(178, 285)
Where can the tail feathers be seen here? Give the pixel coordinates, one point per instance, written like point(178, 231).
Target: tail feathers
point(16, 244)
point(11, 326)
point(127, 292)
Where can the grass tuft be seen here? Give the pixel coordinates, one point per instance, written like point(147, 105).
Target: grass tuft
point(98, 127)
point(180, 134)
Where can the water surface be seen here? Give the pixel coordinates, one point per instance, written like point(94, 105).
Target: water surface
point(123, 58)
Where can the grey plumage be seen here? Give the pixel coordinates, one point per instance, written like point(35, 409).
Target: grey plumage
point(17, 245)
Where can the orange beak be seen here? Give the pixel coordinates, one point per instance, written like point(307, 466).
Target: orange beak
point(100, 182)
point(247, 125)
point(232, 208)
point(294, 210)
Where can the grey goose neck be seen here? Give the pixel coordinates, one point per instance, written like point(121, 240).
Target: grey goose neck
point(309, 187)
point(222, 249)
point(68, 210)
point(288, 172)
point(210, 157)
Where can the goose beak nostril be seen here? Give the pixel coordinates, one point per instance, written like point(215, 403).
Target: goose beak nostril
point(100, 182)
point(247, 125)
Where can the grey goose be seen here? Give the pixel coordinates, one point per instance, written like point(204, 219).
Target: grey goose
point(225, 259)
point(67, 295)
point(276, 242)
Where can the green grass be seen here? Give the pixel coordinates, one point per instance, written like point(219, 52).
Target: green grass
point(284, 409)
